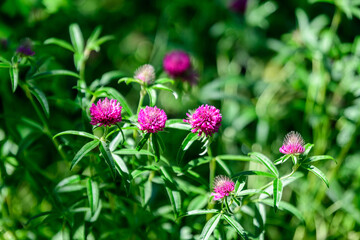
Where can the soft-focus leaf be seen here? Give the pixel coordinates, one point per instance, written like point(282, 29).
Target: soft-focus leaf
point(177, 124)
point(14, 76)
point(285, 206)
point(162, 87)
point(236, 158)
point(155, 144)
point(60, 43)
point(152, 96)
point(200, 212)
point(83, 151)
point(40, 96)
point(76, 37)
point(240, 184)
point(258, 173)
point(125, 151)
point(173, 193)
point(52, 73)
point(319, 158)
point(308, 148)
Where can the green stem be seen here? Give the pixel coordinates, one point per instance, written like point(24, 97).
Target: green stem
point(46, 129)
point(141, 99)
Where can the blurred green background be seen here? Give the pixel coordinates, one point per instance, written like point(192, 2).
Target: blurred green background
point(275, 67)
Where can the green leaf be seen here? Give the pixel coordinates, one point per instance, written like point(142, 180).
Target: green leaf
point(198, 202)
point(155, 144)
point(236, 158)
point(128, 80)
point(285, 206)
point(83, 151)
point(68, 180)
point(252, 192)
point(37, 216)
point(152, 96)
point(317, 172)
point(40, 96)
point(76, 37)
point(164, 80)
point(200, 212)
point(106, 153)
point(240, 184)
point(94, 36)
point(188, 141)
point(54, 73)
point(162, 87)
point(125, 151)
point(113, 93)
point(78, 133)
point(239, 229)
point(173, 193)
point(319, 158)
point(60, 43)
point(258, 173)
point(177, 124)
point(197, 162)
point(282, 159)
point(5, 65)
point(277, 192)
point(142, 141)
point(104, 39)
point(121, 167)
point(308, 148)
point(14, 76)
point(93, 195)
point(210, 226)
point(267, 162)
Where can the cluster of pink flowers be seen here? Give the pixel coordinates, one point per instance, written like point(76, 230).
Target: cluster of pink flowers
point(206, 119)
point(177, 64)
point(293, 144)
point(223, 186)
point(152, 119)
point(106, 112)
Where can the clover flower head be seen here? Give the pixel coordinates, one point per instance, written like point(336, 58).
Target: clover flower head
point(206, 119)
point(106, 112)
point(238, 6)
point(152, 119)
point(176, 63)
point(293, 144)
point(145, 73)
point(25, 49)
point(223, 186)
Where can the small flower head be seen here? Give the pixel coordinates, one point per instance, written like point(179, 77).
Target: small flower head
point(106, 112)
point(152, 119)
point(206, 119)
point(293, 144)
point(223, 186)
point(25, 49)
point(176, 63)
point(145, 73)
point(238, 6)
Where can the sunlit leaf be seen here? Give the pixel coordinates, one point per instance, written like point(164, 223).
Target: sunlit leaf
point(210, 226)
point(239, 229)
point(83, 151)
point(317, 172)
point(267, 162)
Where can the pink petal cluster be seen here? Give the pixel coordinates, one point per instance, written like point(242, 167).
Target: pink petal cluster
point(152, 119)
point(293, 143)
point(223, 186)
point(106, 112)
point(206, 119)
point(145, 73)
point(176, 63)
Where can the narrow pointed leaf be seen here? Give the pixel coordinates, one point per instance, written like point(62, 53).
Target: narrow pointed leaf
point(317, 172)
point(236, 158)
point(78, 133)
point(267, 162)
point(142, 142)
point(164, 80)
point(277, 192)
point(106, 153)
point(162, 87)
point(258, 173)
point(152, 96)
point(83, 151)
point(52, 73)
point(239, 229)
point(210, 227)
point(40, 96)
point(113, 93)
point(319, 158)
point(93, 195)
point(173, 192)
point(252, 192)
point(76, 37)
point(155, 144)
point(308, 148)
point(200, 212)
point(14, 76)
point(125, 151)
point(60, 43)
point(282, 159)
point(188, 141)
point(240, 184)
